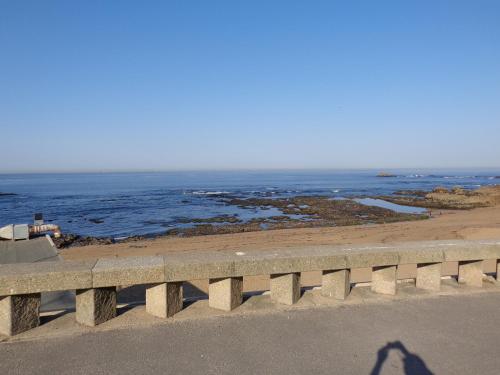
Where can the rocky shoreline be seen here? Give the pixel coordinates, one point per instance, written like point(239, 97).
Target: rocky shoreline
point(313, 211)
point(442, 198)
point(297, 212)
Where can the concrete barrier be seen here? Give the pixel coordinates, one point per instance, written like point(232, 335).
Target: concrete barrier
point(96, 282)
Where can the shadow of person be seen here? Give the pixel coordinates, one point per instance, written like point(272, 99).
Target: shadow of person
point(413, 364)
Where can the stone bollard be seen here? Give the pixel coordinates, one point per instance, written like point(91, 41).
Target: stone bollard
point(285, 288)
point(225, 293)
point(336, 284)
point(384, 280)
point(164, 300)
point(429, 276)
point(471, 272)
point(95, 306)
point(19, 313)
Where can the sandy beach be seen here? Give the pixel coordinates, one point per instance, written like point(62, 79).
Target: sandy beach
point(479, 223)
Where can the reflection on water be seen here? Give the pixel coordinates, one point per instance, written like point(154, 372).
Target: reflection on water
point(391, 206)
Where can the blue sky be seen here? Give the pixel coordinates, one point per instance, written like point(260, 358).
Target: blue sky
point(119, 85)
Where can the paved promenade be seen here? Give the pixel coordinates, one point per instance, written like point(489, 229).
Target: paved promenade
point(445, 335)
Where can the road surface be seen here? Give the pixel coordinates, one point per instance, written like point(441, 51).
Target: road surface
point(445, 335)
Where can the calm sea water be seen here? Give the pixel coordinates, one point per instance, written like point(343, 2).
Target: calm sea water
point(126, 204)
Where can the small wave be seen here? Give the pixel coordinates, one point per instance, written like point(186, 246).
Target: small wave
point(458, 177)
point(201, 192)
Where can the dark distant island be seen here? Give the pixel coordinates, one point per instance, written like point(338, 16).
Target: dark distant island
point(386, 174)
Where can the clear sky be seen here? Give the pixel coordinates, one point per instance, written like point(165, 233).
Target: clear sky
point(99, 85)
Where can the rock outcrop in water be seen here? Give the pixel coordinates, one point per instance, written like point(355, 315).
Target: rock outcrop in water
point(386, 174)
point(315, 211)
point(74, 240)
point(456, 198)
point(298, 212)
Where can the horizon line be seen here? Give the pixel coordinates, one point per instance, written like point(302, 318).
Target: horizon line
point(166, 170)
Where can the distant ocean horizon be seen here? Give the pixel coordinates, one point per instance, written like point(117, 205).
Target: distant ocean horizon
point(122, 204)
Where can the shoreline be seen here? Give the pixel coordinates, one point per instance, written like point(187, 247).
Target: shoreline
point(301, 212)
point(479, 223)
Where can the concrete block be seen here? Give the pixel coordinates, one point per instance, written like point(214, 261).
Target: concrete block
point(471, 272)
point(285, 288)
point(336, 284)
point(19, 313)
point(164, 300)
point(372, 257)
point(95, 306)
point(225, 293)
point(128, 271)
point(289, 261)
point(472, 250)
point(212, 265)
point(28, 278)
point(35, 250)
point(384, 280)
point(420, 254)
point(198, 266)
point(429, 276)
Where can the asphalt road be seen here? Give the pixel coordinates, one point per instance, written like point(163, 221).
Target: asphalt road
point(445, 335)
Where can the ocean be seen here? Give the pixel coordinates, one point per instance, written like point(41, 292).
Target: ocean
point(150, 203)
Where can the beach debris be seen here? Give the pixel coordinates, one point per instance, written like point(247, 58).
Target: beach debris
point(25, 231)
point(14, 232)
point(39, 229)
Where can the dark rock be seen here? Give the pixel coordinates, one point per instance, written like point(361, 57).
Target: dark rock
point(217, 219)
point(457, 190)
point(386, 174)
point(440, 189)
point(313, 212)
point(412, 193)
point(71, 240)
point(74, 240)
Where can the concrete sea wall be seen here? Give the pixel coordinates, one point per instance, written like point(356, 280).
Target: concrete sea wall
point(95, 282)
